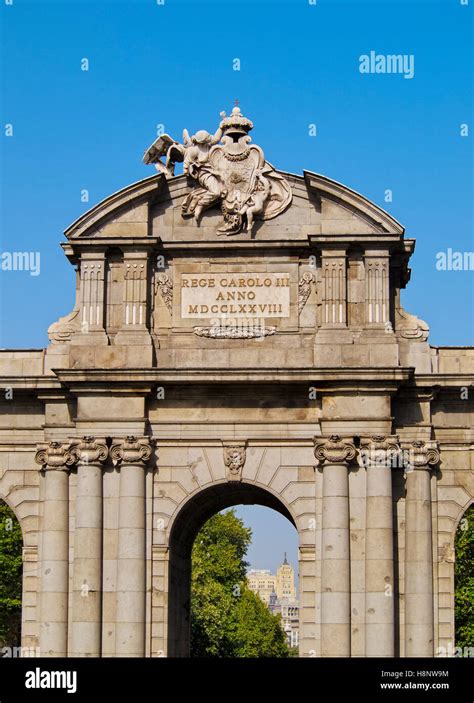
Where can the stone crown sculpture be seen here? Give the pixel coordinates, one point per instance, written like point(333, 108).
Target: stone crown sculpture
point(227, 171)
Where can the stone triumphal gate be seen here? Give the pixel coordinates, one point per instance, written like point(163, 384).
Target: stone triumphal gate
point(237, 337)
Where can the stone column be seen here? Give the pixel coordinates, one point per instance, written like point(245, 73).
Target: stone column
point(87, 574)
point(131, 455)
point(55, 459)
point(378, 454)
point(419, 631)
point(335, 455)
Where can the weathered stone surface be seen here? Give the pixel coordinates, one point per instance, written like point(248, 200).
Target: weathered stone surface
point(237, 401)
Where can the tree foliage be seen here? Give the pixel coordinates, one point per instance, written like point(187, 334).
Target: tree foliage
point(227, 619)
point(464, 580)
point(11, 566)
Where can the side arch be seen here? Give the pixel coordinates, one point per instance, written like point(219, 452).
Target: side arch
point(453, 504)
point(22, 497)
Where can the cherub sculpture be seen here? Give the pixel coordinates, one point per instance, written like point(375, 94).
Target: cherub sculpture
point(227, 169)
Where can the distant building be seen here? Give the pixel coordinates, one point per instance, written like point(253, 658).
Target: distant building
point(288, 608)
point(262, 582)
point(279, 593)
point(285, 580)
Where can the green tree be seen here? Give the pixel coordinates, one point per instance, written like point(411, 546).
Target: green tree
point(11, 567)
point(227, 619)
point(258, 632)
point(464, 580)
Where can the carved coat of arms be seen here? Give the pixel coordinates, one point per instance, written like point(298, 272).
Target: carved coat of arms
point(227, 170)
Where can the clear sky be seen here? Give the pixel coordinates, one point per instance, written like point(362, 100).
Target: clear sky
point(173, 64)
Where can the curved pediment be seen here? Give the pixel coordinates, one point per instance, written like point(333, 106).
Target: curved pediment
point(154, 207)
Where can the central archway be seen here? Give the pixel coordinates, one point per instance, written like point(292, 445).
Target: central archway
point(187, 523)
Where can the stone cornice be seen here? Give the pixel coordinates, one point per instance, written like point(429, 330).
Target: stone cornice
point(443, 380)
point(375, 379)
point(132, 193)
point(142, 380)
point(333, 190)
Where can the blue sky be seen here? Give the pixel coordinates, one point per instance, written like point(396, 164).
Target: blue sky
point(172, 64)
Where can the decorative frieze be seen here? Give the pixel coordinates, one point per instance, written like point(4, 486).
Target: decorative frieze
point(244, 331)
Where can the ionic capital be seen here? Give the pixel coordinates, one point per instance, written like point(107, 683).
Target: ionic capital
point(132, 450)
point(379, 450)
point(334, 450)
point(421, 456)
point(90, 450)
point(56, 456)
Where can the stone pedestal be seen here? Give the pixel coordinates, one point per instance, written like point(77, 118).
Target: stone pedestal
point(334, 455)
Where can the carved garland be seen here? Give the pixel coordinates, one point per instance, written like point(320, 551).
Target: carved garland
point(230, 332)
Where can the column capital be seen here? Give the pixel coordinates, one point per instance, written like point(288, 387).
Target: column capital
point(56, 456)
point(132, 450)
point(334, 449)
point(379, 450)
point(421, 455)
point(90, 450)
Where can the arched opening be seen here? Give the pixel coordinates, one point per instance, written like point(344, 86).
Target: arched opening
point(464, 580)
point(193, 515)
point(11, 573)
